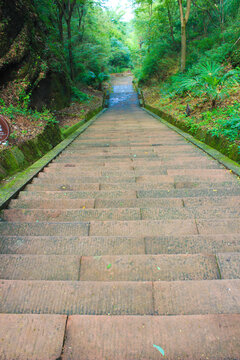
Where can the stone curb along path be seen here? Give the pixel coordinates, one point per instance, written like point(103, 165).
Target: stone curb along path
point(124, 245)
point(222, 159)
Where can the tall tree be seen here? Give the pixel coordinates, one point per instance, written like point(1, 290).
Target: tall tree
point(67, 7)
point(184, 19)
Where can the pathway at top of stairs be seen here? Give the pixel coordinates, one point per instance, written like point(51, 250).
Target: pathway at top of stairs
point(126, 244)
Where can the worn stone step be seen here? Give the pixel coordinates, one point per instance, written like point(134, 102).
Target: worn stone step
point(44, 229)
point(71, 179)
point(192, 244)
point(28, 215)
point(204, 173)
point(121, 298)
point(76, 215)
point(76, 297)
point(193, 163)
point(67, 186)
point(231, 191)
point(165, 202)
point(168, 186)
point(229, 265)
point(106, 172)
point(27, 195)
point(149, 267)
point(75, 245)
point(190, 179)
point(39, 267)
point(144, 202)
point(218, 201)
point(143, 228)
point(109, 245)
point(218, 226)
point(32, 337)
point(75, 162)
point(127, 165)
point(52, 204)
point(88, 187)
point(189, 213)
point(134, 337)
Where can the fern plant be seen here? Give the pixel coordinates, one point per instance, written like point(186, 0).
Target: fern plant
point(210, 80)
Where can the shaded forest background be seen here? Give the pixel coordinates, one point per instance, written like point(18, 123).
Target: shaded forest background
point(54, 53)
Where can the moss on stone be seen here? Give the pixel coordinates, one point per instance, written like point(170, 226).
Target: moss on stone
point(221, 143)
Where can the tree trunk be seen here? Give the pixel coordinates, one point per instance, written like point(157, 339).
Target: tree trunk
point(60, 27)
point(183, 47)
point(170, 23)
point(184, 20)
point(70, 54)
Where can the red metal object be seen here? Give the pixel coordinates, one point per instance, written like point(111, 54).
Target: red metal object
point(4, 129)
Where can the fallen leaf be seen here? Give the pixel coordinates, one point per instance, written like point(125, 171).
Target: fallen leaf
point(109, 266)
point(159, 349)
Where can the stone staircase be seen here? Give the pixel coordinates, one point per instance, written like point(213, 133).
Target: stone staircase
point(128, 241)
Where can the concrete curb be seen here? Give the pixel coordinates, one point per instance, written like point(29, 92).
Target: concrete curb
point(17, 183)
point(222, 159)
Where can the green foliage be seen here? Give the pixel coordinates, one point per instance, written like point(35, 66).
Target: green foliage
point(78, 96)
point(120, 55)
point(221, 122)
point(212, 35)
point(208, 80)
point(12, 112)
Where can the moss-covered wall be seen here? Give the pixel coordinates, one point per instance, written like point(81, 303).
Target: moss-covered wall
point(19, 157)
point(221, 144)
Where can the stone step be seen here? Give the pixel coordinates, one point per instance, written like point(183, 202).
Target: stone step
point(127, 165)
point(42, 337)
point(136, 155)
point(149, 267)
point(189, 213)
point(229, 265)
point(39, 267)
point(47, 179)
point(210, 173)
point(230, 191)
point(129, 194)
point(119, 245)
point(67, 186)
point(32, 337)
point(44, 229)
point(120, 298)
point(76, 245)
point(109, 267)
point(52, 204)
point(76, 215)
point(164, 227)
point(212, 337)
point(76, 162)
point(218, 201)
point(167, 186)
point(106, 172)
point(192, 244)
point(71, 179)
point(91, 203)
point(28, 215)
point(89, 187)
point(27, 195)
point(218, 226)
